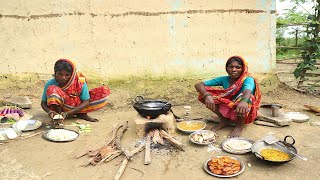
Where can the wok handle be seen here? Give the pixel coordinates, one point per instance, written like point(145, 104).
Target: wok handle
point(167, 106)
point(259, 155)
point(139, 99)
point(288, 143)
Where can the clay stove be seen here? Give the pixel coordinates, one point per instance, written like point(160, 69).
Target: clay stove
point(164, 121)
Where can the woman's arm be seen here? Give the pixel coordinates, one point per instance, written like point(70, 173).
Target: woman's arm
point(81, 106)
point(46, 108)
point(242, 107)
point(207, 97)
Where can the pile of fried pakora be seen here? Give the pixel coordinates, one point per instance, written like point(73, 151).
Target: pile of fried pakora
point(224, 165)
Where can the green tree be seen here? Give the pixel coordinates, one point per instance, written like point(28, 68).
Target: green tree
point(311, 47)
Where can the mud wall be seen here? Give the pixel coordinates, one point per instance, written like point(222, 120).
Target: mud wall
point(116, 38)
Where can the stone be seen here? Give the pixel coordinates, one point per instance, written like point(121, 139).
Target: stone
point(315, 123)
point(20, 101)
point(265, 114)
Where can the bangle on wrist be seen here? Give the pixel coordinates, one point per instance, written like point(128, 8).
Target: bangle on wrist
point(50, 112)
point(247, 100)
point(206, 95)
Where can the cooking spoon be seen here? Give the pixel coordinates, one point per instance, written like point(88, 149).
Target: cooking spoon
point(271, 140)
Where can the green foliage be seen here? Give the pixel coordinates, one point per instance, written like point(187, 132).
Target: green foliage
point(311, 45)
point(292, 17)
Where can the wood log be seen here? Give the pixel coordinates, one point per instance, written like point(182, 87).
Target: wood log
point(136, 150)
point(147, 156)
point(111, 156)
point(158, 137)
point(120, 132)
point(126, 160)
point(172, 140)
point(115, 129)
point(121, 169)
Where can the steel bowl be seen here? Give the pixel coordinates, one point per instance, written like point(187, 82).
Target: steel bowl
point(190, 123)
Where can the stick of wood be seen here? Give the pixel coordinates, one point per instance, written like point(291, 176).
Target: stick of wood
point(114, 133)
point(126, 160)
point(112, 154)
point(147, 156)
point(136, 150)
point(119, 135)
point(152, 133)
point(157, 136)
point(81, 155)
point(121, 169)
point(173, 141)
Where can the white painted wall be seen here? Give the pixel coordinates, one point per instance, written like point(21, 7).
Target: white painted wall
point(116, 38)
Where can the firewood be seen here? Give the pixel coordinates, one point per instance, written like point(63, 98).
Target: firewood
point(114, 133)
point(172, 140)
point(121, 169)
point(157, 136)
point(126, 160)
point(147, 156)
point(136, 150)
point(109, 151)
point(112, 155)
point(152, 135)
point(119, 136)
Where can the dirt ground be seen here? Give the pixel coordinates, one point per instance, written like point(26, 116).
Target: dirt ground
point(37, 158)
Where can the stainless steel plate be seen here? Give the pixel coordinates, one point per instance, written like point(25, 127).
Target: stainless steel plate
point(206, 168)
point(216, 136)
point(27, 125)
point(234, 151)
point(47, 135)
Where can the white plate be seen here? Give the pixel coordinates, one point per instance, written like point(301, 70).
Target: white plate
point(297, 116)
point(27, 125)
point(61, 135)
point(6, 133)
point(216, 136)
point(235, 151)
point(206, 168)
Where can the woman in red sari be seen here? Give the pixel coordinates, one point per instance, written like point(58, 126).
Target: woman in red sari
point(67, 93)
point(239, 99)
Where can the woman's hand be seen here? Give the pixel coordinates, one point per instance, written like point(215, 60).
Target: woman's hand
point(64, 115)
point(51, 114)
point(242, 108)
point(210, 103)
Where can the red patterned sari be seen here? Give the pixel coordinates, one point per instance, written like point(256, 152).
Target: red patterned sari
point(226, 101)
point(68, 97)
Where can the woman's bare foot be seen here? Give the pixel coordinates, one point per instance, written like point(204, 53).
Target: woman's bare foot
point(223, 123)
point(86, 117)
point(236, 132)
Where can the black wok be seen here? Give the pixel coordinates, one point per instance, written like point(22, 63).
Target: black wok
point(151, 108)
point(287, 147)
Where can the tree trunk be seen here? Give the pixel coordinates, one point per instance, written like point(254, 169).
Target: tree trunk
point(296, 40)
